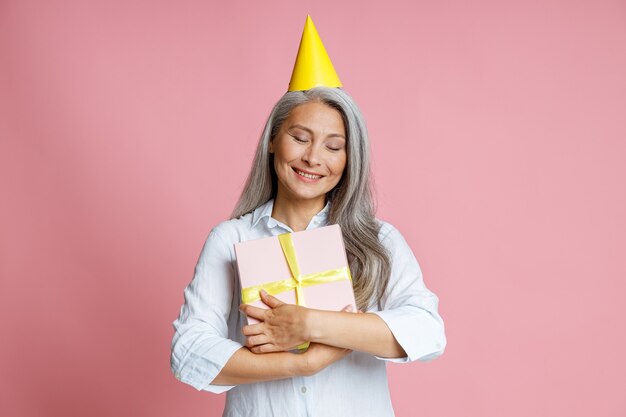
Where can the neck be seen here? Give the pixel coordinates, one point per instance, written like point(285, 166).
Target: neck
point(296, 214)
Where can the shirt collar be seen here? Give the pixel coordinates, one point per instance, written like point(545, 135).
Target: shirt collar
point(264, 211)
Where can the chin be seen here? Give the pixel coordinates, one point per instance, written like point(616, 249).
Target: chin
point(307, 196)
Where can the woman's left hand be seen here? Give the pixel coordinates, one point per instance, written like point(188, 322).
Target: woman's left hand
point(282, 327)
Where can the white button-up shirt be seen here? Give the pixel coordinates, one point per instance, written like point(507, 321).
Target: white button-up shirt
point(208, 331)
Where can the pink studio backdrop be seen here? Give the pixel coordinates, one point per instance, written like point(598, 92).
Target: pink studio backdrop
point(127, 129)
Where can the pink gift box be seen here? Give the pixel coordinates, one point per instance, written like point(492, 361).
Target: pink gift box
point(262, 261)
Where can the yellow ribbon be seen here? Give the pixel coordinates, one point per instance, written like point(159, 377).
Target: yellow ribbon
point(297, 281)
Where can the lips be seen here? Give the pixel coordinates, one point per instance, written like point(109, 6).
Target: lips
point(307, 174)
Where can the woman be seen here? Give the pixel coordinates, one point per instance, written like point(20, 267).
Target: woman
point(311, 169)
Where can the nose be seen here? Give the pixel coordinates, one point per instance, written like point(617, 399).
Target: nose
point(312, 155)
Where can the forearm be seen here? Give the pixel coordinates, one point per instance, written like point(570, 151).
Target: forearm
point(246, 367)
point(363, 332)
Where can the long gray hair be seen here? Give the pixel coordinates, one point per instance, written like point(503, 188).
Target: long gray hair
point(352, 205)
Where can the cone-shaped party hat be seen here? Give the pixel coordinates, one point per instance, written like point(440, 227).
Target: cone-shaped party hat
point(313, 67)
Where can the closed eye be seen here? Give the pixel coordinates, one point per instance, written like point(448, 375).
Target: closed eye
point(301, 140)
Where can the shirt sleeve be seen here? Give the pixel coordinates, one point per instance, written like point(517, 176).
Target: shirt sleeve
point(409, 309)
point(200, 346)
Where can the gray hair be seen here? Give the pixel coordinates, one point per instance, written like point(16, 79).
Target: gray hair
point(352, 204)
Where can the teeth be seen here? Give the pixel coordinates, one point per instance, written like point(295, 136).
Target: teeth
point(304, 174)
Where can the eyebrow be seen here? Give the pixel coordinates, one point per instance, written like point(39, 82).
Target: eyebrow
point(330, 135)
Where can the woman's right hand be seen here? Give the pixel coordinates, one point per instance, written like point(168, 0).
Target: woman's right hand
point(319, 356)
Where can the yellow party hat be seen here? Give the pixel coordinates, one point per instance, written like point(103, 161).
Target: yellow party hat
point(313, 67)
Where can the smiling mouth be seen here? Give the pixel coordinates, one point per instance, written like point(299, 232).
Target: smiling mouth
point(306, 175)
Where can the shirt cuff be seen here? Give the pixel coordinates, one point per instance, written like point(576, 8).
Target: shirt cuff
point(199, 372)
point(419, 333)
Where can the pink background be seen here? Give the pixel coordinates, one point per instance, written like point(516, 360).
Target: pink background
point(498, 133)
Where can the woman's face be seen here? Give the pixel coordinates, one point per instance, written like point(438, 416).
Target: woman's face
point(309, 152)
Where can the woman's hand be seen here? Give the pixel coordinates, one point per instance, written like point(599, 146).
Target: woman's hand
point(282, 327)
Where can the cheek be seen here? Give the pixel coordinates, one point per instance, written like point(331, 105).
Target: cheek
point(338, 165)
point(288, 153)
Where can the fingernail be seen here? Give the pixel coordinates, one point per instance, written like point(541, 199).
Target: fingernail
point(263, 292)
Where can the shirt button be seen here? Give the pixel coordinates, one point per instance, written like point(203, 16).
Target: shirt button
point(303, 389)
point(177, 375)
